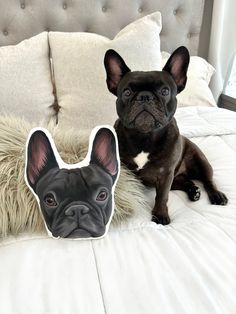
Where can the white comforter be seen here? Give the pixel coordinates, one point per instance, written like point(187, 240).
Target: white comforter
point(187, 267)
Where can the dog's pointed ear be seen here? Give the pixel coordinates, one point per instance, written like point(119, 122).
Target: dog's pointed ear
point(115, 69)
point(177, 66)
point(104, 152)
point(40, 157)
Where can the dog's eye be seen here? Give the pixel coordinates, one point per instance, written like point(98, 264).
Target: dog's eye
point(165, 91)
point(102, 196)
point(49, 200)
point(127, 92)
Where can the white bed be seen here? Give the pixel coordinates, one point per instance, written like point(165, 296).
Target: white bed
point(140, 267)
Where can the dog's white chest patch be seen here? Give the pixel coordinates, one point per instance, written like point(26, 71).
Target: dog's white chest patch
point(141, 159)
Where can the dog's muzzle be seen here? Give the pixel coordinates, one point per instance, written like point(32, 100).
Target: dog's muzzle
point(147, 112)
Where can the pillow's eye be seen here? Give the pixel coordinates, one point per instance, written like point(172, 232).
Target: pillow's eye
point(127, 92)
point(50, 200)
point(165, 91)
point(102, 196)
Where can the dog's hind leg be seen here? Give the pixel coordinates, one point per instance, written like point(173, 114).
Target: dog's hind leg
point(205, 175)
point(199, 168)
point(181, 182)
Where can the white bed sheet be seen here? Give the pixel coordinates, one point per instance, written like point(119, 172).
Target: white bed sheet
point(188, 266)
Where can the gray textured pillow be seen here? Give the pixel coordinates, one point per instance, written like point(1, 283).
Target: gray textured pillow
point(25, 79)
point(80, 75)
point(19, 210)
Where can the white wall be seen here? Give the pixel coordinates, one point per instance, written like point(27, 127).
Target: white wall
point(223, 42)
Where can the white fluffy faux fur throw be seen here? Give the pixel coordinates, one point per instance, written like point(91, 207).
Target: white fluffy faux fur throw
point(18, 208)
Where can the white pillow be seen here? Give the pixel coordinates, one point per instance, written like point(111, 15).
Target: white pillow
point(80, 74)
point(197, 91)
point(25, 79)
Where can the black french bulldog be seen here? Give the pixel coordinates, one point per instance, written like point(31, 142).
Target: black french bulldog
point(75, 202)
point(148, 136)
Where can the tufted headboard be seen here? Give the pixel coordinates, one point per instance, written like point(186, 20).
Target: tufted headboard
point(185, 22)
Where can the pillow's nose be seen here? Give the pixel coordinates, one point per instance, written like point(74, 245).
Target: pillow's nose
point(77, 210)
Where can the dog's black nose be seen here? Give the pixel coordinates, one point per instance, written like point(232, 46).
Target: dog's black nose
point(145, 96)
point(77, 210)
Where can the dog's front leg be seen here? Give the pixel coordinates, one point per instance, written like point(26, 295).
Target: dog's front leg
point(160, 211)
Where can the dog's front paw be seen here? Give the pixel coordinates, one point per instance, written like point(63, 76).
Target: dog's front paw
point(160, 214)
point(161, 219)
point(218, 198)
point(164, 220)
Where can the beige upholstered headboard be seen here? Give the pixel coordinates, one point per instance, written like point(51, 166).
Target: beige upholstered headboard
point(185, 22)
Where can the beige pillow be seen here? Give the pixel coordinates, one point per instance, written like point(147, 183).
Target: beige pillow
point(80, 75)
point(19, 211)
point(197, 91)
point(25, 79)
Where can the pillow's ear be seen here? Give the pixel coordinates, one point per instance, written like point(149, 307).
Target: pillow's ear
point(177, 66)
point(104, 152)
point(115, 69)
point(40, 157)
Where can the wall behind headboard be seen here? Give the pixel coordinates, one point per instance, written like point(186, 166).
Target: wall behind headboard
point(185, 22)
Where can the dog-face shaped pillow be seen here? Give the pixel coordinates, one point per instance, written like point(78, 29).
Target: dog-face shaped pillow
point(77, 200)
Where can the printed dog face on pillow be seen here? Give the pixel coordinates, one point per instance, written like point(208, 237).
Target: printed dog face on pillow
point(76, 201)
